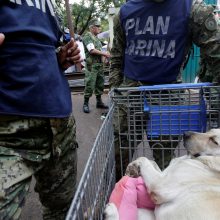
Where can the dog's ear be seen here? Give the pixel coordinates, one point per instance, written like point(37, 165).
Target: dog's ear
point(213, 162)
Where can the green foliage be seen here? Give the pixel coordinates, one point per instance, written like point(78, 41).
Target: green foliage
point(84, 10)
point(58, 2)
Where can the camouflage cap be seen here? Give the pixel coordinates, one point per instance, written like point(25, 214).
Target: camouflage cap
point(94, 22)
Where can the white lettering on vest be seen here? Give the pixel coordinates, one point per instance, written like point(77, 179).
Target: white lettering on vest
point(137, 31)
point(170, 49)
point(154, 47)
point(130, 23)
point(162, 26)
point(158, 48)
point(39, 4)
point(141, 44)
point(152, 25)
point(149, 26)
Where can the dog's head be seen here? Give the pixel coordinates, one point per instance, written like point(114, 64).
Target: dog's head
point(201, 144)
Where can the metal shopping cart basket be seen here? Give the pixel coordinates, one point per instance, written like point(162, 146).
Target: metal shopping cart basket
point(146, 119)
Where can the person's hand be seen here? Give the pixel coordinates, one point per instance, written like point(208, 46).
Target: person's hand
point(107, 55)
point(69, 54)
point(2, 37)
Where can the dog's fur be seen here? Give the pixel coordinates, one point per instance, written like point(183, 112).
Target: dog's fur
point(189, 188)
point(111, 213)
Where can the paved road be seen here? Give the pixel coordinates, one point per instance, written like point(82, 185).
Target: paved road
point(87, 128)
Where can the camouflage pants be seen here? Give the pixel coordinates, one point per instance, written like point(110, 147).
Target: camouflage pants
point(94, 80)
point(162, 152)
point(45, 148)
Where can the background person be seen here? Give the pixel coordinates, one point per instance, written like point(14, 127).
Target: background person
point(37, 129)
point(78, 40)
point(151, 41)
point(94, 74)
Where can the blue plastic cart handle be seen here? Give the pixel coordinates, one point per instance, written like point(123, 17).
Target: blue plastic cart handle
point(174, 86)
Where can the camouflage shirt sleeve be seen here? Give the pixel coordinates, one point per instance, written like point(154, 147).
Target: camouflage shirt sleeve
point(117, 53)
point(87, 39)
point(90, 39)
point(205, 30)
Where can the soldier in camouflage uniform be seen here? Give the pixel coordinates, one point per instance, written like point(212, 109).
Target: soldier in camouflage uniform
point(94, 74)
point(37, 128)
point(205, 73)
point(150, 44)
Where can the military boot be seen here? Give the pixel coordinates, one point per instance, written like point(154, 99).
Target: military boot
point(100, 104)
point(86, 106)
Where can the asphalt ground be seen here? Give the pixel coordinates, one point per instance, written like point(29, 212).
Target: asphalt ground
point(88, 126)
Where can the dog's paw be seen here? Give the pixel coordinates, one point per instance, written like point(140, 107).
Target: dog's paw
point(111, 212)
point(133, 168)
point(155, 198)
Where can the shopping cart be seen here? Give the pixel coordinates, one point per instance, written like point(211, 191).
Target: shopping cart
point(148, 118)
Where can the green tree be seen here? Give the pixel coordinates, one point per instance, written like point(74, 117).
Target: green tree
point(85, 10)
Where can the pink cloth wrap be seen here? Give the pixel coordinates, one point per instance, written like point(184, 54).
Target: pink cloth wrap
point(130, 194)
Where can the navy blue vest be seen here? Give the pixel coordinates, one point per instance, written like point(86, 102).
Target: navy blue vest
point(31, 81)
point(156, 35)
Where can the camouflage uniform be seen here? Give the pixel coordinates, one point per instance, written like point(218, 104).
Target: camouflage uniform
point(37, 130)
point(94, 74)
point(204, 32)
point(205, 72)
point(45, 148)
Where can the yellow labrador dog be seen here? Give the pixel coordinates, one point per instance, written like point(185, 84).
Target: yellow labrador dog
point(189, 188)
